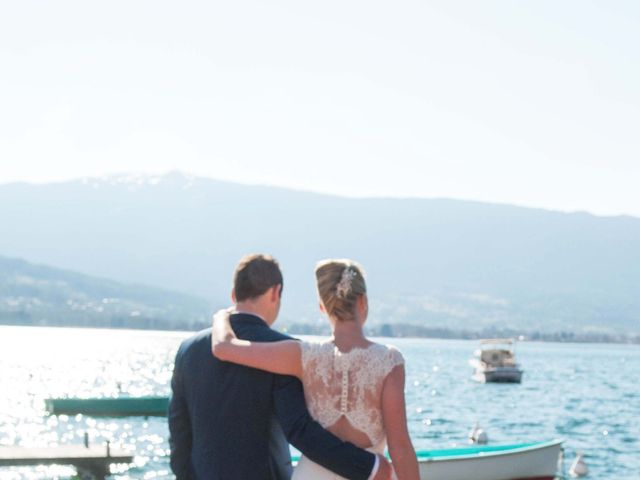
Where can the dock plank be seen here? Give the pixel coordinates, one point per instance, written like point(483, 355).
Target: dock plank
point(62, 455)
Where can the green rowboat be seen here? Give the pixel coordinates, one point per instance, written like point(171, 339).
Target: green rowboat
point(109, 407)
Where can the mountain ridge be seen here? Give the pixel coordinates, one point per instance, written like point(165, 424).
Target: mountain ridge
point(435, 263)
point(139, 178)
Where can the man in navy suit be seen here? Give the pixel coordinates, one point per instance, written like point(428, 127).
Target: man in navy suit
point(229, 422)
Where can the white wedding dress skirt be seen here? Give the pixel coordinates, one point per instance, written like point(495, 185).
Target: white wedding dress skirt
point(309, 470)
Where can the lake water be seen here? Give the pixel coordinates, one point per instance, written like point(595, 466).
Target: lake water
point(587, 394)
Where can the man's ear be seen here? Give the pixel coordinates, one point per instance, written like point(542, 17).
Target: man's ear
point(233, 295)
point(275, 292)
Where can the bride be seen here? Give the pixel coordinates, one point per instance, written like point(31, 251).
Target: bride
point(353, 387)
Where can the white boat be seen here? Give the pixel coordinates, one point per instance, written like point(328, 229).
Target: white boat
point(495, 361)
point(528, 461)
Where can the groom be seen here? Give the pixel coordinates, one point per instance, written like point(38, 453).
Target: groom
point(229, 422)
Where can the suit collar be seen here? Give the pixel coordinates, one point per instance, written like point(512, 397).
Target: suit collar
point(248, 318)
point(252, 314)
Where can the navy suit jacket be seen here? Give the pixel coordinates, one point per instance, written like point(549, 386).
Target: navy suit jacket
point(229, 422)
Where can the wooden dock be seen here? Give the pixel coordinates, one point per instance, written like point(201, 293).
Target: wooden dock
point(92, 462)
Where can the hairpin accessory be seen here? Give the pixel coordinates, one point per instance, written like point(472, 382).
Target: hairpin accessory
point(344, 285)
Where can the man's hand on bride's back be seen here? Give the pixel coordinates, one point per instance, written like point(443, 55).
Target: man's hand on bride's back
point(384, 470)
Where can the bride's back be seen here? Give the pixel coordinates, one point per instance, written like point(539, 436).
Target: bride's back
point(344, 389)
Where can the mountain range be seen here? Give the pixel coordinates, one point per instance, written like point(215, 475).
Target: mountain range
point(431, 263)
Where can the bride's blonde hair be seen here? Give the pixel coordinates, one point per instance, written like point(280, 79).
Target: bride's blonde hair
point(340, 282)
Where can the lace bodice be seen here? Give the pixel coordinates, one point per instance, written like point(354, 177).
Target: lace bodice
point(348, 384)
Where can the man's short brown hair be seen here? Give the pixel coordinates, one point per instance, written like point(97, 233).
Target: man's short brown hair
point(254, 275)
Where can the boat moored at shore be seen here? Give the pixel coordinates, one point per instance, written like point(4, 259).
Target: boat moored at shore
point(528, 461)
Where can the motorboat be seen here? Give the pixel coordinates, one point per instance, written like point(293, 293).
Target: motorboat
point(495, 361)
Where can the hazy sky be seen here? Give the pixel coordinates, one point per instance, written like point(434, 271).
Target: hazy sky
point(534, 103)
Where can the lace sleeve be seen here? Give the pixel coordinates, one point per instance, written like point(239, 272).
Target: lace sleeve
point(393, 359)
point(305, 353)
point(309, 357)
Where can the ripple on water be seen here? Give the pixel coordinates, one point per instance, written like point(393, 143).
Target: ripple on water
point(576, 392)
point(572, 424)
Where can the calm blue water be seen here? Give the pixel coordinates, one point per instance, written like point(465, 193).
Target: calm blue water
point(587, 394)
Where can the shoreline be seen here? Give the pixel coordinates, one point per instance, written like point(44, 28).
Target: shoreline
point(381, 332)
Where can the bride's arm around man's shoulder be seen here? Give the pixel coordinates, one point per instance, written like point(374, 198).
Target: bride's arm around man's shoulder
point(283, 357)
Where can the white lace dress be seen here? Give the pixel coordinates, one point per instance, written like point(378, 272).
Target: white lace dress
point(346, 385)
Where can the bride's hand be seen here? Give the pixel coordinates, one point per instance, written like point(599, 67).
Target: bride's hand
point(221, 330)
point(384, 470)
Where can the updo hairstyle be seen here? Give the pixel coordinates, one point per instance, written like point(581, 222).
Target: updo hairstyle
point(340, 282)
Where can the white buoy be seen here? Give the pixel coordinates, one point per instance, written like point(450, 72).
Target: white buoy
point(578, 467)
point(478, 435)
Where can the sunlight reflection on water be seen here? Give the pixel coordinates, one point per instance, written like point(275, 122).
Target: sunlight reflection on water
point(41, 363)
point(586, 394)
